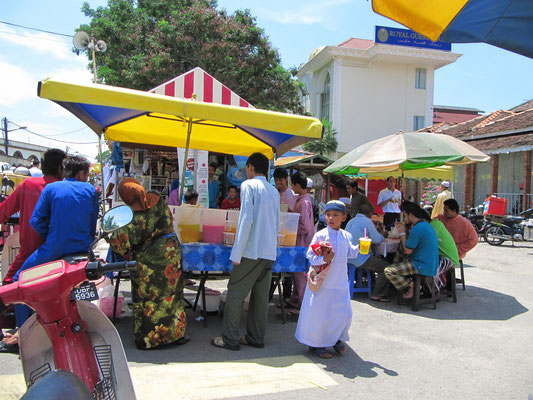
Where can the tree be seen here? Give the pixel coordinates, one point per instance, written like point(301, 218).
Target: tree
point(106, 155)
point(152, 41)
point(326, 145)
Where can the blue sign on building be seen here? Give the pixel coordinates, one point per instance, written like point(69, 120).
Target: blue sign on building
point(406, 37)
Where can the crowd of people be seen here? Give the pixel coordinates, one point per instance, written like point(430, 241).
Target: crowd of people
point(51, 224)
point(51, 227)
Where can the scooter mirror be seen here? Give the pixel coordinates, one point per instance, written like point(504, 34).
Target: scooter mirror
point(117, 218)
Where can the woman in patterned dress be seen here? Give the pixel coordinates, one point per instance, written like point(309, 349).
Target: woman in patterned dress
point(157, 284)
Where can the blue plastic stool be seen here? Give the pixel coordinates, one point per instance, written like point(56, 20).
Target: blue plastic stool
point(356, 282)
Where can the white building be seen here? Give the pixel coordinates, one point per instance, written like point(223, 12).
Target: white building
point(370, 90)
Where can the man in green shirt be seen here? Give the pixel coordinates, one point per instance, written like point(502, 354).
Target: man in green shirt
point(448, 255)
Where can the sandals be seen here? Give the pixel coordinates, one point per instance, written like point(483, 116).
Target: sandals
point(409, 292)
point(380, 299)
point(340, 347)
point(219, 342)
point(321, 352)
point(246, 342)
point(8, 348)
point(183, 340)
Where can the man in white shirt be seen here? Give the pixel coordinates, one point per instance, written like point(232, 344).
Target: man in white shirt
point(287, 196)
point(390, 199)
point(253, 256)
point(35, 170)
point(445, 194)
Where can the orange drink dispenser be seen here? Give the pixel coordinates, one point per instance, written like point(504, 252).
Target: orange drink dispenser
point(289, 227)
point(187, 221)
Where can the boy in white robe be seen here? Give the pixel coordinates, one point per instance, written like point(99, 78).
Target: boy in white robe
point(325, 316)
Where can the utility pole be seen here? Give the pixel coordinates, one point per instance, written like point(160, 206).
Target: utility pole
point(4, 123)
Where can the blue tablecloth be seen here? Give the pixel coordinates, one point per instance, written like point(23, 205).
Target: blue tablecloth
point(215, 257)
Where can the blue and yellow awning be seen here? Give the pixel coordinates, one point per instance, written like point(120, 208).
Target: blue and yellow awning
point(504, 23)
point(134, 116)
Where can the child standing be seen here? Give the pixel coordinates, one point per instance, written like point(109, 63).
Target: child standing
point(326, 315)
point(304, 236)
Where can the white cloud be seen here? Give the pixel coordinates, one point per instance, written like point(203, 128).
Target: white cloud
point(16, 85)
point(302, 12)
point(39, 42)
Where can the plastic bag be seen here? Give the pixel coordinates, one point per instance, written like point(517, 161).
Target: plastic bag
point(107, 300)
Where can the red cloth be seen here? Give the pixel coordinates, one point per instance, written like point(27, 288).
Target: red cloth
point(23, 200)
point(463, 233)
point(227, 205)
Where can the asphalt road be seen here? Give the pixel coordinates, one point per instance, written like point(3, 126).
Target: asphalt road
point(479, 348)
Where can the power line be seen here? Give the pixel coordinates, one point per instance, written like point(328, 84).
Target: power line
point(32, 36)
point(67, 133)
point(36, 29)
point(57, 140)
point(47, 136)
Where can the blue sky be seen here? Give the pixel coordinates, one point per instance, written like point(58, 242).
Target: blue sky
point(485, 77)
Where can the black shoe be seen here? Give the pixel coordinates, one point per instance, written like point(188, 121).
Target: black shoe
point(8, 348)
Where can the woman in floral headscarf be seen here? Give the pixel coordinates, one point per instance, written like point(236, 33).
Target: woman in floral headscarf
point(157, 284)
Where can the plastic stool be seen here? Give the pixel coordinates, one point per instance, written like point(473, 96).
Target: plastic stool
point(416, 300)
point(355, 279)
point(462, 279)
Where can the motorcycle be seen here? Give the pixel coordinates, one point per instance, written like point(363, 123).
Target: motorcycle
point(477, 219)
point(67, 332)
point(514, 228)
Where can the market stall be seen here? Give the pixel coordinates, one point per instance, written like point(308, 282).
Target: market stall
point(147, 119)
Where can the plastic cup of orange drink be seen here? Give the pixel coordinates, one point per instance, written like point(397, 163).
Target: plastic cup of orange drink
point(364, 245)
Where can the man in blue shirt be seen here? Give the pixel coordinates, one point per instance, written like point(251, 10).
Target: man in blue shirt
point(422, 247)
point(213, 186)
point(357, 226)
point(253, 256)
point(65, 216)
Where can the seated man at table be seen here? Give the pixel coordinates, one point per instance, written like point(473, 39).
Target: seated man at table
point(463, 232)
point(357, 227)
point(422, 249)
point(253, 256)
point(448, 257)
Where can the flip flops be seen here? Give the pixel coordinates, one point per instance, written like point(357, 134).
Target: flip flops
point(380, 299)
point(8, 348)
point(246, 342)
point(321, 352)
point(339, 347)
point(219, 342)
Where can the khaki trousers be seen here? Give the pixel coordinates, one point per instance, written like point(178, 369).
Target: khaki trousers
point(254, 276)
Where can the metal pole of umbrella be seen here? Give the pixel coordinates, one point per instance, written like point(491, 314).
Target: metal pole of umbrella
point(189, 130)
point(100, 161)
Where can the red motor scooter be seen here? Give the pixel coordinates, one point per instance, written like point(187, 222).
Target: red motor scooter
point(67, 332)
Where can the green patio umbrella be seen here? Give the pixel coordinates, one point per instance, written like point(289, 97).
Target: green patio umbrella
point(406, 151)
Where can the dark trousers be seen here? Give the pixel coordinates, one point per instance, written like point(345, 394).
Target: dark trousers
point(376, 264)
point(390, 218)
point(254, 276)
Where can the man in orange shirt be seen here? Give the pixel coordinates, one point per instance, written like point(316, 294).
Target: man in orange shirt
point(463, 232)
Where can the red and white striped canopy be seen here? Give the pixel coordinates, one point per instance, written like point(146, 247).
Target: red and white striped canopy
point(206, 88)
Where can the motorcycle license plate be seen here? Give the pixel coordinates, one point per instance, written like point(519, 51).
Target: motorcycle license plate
point(86, 291)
